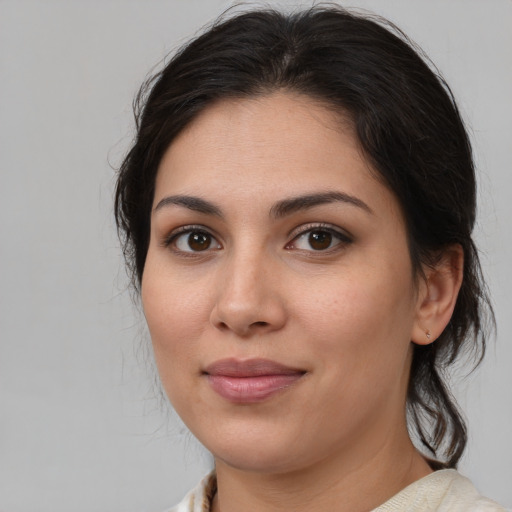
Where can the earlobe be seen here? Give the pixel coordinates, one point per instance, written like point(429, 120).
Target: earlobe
point(437, 295)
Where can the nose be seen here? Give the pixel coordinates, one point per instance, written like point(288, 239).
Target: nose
point(248, 299)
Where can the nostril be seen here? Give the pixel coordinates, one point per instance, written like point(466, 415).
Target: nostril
point(247, 318)
point(260, 324)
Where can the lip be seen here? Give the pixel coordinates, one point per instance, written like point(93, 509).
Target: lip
point(250, 381)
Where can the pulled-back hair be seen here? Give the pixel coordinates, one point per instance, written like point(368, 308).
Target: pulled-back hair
point(409, 129)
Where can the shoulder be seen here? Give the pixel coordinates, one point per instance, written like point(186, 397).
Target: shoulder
point(461, 495)
point(199, 498)
point(442, 491)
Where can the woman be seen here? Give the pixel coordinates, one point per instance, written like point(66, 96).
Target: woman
point(297, 212)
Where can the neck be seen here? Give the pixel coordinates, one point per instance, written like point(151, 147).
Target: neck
point(344, 482)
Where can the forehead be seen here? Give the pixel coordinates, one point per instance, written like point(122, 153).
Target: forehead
point(267, 147)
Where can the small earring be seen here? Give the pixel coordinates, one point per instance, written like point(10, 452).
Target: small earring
point(427, 334)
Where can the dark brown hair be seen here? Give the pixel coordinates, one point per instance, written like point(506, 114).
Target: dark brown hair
point(409, 128)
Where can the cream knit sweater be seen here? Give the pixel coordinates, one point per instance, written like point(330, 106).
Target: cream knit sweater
point(441, 491)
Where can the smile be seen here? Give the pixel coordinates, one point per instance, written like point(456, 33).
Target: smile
point(250, 381)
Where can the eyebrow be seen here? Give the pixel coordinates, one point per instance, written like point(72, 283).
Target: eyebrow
point(279, 210)
point(305, 202)
point(192, 203)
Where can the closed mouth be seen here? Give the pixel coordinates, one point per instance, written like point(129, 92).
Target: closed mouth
point(250, 381)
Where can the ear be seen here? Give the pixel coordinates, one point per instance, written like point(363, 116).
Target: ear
point(437, 295)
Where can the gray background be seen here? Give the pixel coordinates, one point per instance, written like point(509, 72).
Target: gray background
point(81, 425)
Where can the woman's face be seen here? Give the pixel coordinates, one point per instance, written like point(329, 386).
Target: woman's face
point(278, 287)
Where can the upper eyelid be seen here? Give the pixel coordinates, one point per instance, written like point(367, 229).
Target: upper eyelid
point(168, 238)
point(311, 226)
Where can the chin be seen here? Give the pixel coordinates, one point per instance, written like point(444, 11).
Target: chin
point(249, 448)
point(259, 460)
point(265, 451)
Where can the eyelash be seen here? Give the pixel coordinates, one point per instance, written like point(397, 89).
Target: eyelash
point(170, 241)
point(343, 238)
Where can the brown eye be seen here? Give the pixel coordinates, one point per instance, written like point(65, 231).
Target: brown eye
point(191, 241)
point(199, 241)
point(320, 240)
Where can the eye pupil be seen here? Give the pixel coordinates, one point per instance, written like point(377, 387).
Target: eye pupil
point(320, 240)
point(199, 241)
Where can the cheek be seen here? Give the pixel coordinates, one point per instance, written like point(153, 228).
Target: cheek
point(361, 352)
point(361, 324)
point(176, 315)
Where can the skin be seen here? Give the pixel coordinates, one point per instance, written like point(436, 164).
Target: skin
point(336, 439)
